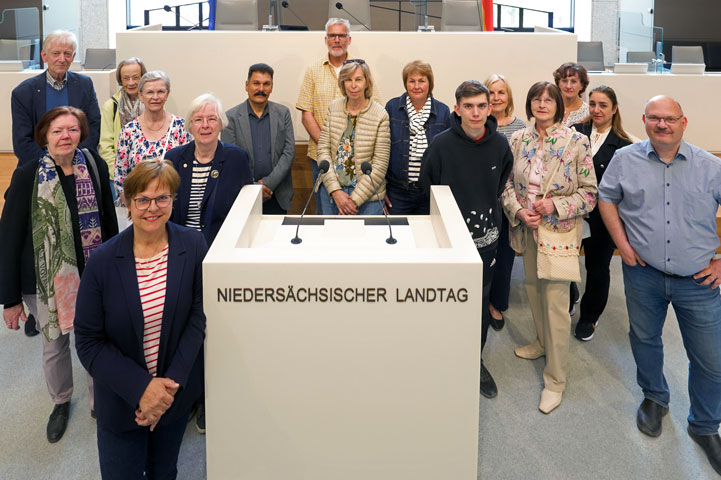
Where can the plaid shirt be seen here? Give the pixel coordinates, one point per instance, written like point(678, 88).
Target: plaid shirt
point(319, 88)
point(54, 83)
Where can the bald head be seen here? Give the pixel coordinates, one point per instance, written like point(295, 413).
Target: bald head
point(664, 100)
point(665, 124)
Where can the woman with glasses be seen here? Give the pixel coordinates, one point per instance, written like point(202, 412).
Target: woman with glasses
point(120, 109)
point(415, 119)
point(211, 172)
point(58, 211)
point(355, 131)
point(152, 133)
point(607, 135)
point(140, 328)
point(552, 183)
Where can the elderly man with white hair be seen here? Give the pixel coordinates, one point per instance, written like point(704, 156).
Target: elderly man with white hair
point(55, 87)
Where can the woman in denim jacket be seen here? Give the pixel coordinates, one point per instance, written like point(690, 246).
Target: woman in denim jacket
point(416, 117)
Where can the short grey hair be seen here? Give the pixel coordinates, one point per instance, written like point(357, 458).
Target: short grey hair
point(153, 76)
point(207, 99)
point(337, 21)
point(129, 61)
point(62, 37)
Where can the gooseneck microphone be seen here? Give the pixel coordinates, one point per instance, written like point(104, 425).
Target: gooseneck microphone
point(339, 6)
point(286, 5)
point(322, 168)
point(366, 169)
point(168, 8)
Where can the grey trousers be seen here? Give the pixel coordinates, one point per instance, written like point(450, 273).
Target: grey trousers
point(57, 362)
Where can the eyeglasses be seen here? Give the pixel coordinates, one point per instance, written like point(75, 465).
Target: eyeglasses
point(359, 61)
point(339, 36)
point(668, 120)
point(143, 203)
point(198, 121)
point(545, 101)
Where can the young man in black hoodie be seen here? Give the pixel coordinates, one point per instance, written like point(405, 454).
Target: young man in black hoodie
point(474, 160)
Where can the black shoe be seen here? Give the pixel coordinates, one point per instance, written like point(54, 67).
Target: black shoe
point(711, 445)
point(648, 417)
point(200, 418)
point(92, 415)
point(585, 330)
point(497, 324)
point(575, 297)
point(487, 386)
point(30, 330)
point(58, 421)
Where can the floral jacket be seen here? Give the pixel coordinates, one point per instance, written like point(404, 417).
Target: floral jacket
point(573, 187)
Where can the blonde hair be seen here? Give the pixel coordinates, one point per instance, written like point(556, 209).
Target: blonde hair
point(347, 70)
point(496, 77)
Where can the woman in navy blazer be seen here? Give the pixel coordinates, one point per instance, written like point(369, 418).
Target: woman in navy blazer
point(211, 172)
point(607, 135)
point(145, 383)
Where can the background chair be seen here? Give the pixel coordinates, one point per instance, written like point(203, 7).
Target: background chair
point(236, 15)
point(461, 15)
point(361, 9)
point(590, 55)
point(687, 54)
point(99, 59)
point(640, 57)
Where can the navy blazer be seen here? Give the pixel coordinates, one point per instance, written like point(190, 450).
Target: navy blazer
point(109, 327)
point(230, 172)
point(28, 107)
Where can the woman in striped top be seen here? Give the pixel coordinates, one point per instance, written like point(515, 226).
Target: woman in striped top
point(140, 329)
point(502, 108)
point(416, 117)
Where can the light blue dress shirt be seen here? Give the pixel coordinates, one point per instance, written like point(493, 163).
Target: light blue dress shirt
point(668, 210)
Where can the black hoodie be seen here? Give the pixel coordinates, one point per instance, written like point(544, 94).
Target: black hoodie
point(476, 171)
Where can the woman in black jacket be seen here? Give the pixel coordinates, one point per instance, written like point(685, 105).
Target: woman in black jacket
point(606, 133)
point(58, 210)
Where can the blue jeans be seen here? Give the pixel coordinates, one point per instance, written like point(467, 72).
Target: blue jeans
point(698, 311)
point(128, 455)
point(413, 201)
point(329, 208)
point(316, 172)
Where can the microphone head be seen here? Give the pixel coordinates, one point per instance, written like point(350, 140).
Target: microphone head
point(366, 168)
point(285, 4)
point(166, 8)
point(339, 5)
point(323, 167)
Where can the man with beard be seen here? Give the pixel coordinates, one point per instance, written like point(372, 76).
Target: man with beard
point(265, 130)
point(474, 160)
point(658, 199)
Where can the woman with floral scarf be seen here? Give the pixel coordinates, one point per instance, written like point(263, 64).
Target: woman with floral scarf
point(57, 211)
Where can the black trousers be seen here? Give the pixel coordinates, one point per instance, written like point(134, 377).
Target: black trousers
point(489, 265)
point(505, 256)
point(598, 249)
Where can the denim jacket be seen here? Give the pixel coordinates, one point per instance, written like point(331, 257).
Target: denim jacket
point(438, 121)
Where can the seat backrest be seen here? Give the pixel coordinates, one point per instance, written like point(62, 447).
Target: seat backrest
point(99, 59)
point(640, 57)
point(461, 15)
point(236, 15)
point(361, 9)
point(687, 54)
point(590, 55)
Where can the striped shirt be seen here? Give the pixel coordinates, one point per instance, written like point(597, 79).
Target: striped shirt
point(201, 171)
point(152, 274)
point(514, 126)
point(418, 139)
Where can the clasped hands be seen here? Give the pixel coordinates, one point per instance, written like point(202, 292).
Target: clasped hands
point(541, 207)
point(156, 400)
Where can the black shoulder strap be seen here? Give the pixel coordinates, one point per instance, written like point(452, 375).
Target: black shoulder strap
point(89, 159)
point(115, 108)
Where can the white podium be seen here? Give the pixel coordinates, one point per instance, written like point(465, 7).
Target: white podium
point(342, 357)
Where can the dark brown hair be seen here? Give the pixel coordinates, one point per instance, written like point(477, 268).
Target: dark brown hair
point(41, 129)
point(144, 173)
point(570, 69)
point(471, 88)
point(538, 89)
point(616, 125)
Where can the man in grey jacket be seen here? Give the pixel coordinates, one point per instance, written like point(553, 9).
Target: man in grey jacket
point(265, 130)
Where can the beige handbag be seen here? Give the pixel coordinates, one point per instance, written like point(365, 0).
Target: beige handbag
point(558, 251)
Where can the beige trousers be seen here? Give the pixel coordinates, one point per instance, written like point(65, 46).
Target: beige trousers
point(549, 305)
